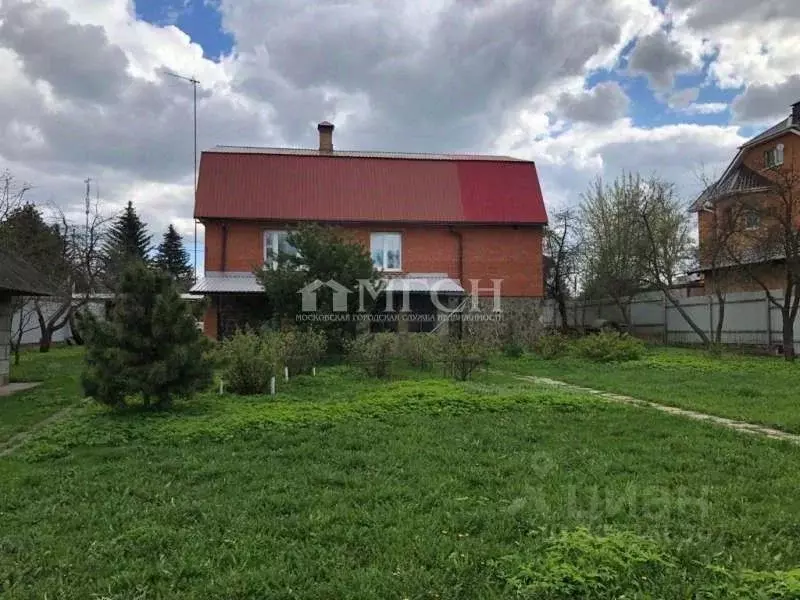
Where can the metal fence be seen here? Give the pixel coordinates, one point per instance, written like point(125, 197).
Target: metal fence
point(750, 318)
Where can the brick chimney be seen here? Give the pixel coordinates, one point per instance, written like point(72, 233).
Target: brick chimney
point(796, 113)
point(325, 136)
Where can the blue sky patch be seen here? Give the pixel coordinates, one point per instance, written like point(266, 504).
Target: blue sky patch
point(201, 20)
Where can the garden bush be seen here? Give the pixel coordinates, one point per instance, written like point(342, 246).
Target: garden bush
point(462, 357)
point(374, 353)
point(552, 345)
point(421, 350)
point(302, 349)
point(513, 349)
point(249, 360)
point(609, 347)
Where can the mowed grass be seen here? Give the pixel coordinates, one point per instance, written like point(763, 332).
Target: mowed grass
point(343, 487)
point(756, 389)
point(60, 374)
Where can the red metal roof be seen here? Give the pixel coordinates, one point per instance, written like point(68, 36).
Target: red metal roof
point(298, 185)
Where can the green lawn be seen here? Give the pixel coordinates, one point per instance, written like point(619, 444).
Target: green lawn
point(343, 487)
point(757, 389)
point(58, 370)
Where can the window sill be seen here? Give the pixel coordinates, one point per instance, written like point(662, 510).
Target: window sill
point(389, 270)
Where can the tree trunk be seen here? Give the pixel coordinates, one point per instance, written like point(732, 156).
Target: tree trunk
point(788, 335)
point(46, 340)
point(720, 318)
point(73, 326)
point(562, 310)
point(674, 301)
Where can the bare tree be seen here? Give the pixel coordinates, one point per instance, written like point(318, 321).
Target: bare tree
point(23, 321)
point(668, 245)
point(562, 250)
point(767, 245)
point(725, 220)
point(12, 194)
point(82, 264)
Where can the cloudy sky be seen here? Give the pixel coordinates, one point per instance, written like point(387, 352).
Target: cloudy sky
point(583, 88)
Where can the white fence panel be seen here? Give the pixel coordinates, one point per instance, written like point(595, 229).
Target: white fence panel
point(749, 318)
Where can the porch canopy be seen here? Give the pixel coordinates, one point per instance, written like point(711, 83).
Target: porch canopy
point(246, 283)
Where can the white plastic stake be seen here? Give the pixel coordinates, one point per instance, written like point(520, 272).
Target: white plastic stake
point(221, 387)
point(314, 371)
point(272, 386)
point(286, 373)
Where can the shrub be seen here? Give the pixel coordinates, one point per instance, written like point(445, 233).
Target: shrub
point(513, 349)
point(374, 353)
point(421, 350)
point(462, 357)
point(552, 345)
point(249, 360)
point(609, 347)
point(302, 349)
point(149, 345)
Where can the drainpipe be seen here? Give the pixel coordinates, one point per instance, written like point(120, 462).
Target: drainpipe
point(460, 238)
point(224, 254)
point(223, 260)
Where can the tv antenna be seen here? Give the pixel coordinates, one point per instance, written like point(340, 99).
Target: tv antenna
point(194, 82)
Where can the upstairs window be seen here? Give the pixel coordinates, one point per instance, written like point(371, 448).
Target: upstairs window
point(276, 243)
point(773, 157)
point(752, 220)
point(386, 251)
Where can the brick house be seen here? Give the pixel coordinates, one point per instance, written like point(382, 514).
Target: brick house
point(742, 202)
point(425, 218)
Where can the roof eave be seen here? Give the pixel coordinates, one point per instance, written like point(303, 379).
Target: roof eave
point(757, 142)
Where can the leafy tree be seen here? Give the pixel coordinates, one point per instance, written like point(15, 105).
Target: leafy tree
point(126, 241)
point(322, 254)
point(173, 259)
point(148, 345)
point(613, 243)
point(637, 236)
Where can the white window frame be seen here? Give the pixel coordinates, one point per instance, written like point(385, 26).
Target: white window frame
point(774, 156)
point(274, 233)
point(395, 234)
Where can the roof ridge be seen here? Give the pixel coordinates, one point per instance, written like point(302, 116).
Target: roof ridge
point(296, 151)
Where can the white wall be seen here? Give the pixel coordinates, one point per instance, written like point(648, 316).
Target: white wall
point(32, 333)
point(5, 321)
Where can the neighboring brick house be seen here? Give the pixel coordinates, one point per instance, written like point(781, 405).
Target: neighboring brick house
point(425, 218)
point(741, 201)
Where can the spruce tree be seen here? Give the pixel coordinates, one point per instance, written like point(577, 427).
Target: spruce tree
point(127, 241)
point(149, 345)
point(173, 259)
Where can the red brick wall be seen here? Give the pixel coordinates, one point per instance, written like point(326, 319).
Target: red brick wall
point(489, 252)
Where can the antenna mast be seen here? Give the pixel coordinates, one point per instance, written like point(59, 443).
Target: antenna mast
point(194, 82)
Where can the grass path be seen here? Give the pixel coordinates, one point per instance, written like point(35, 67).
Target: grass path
point(18, 440)
point(689, 414)
point(750, 389)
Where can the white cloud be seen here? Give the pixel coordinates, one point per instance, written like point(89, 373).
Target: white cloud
point(83, 90)
point(705, 108)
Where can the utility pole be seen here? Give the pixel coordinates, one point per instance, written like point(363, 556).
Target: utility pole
point(194, 83)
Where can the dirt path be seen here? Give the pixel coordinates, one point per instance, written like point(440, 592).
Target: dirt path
point(18, 440)
point(682, 412)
